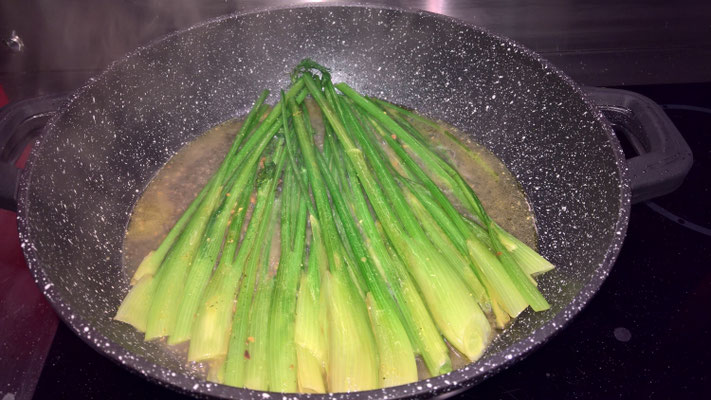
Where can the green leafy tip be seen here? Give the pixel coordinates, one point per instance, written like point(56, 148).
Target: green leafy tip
point(306, 65)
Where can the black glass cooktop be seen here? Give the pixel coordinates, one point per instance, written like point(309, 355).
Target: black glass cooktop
point(644, 335)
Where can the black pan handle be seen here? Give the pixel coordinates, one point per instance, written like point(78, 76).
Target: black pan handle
point(663, 158)
point(21, 123)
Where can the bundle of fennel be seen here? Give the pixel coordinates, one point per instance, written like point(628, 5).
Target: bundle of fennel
point(385, 253)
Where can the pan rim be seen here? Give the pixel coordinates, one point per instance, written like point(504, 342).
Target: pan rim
point(456, 380)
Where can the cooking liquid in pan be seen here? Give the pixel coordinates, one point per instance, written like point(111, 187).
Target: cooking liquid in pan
point(179, 181)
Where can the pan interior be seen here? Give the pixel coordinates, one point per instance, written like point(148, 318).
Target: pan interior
point(103, 150)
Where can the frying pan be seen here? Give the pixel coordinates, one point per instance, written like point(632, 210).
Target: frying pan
point(101, 149)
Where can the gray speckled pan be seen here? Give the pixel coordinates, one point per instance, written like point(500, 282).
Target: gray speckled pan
point(104, 147)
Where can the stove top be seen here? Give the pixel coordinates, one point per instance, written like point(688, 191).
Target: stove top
point(642, 336)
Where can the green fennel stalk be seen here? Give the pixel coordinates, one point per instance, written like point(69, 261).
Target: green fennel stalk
point(457, 315)
point(353, 359)
point(211, 329)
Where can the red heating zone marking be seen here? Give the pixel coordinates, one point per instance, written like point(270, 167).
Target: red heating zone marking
point(26, 317)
